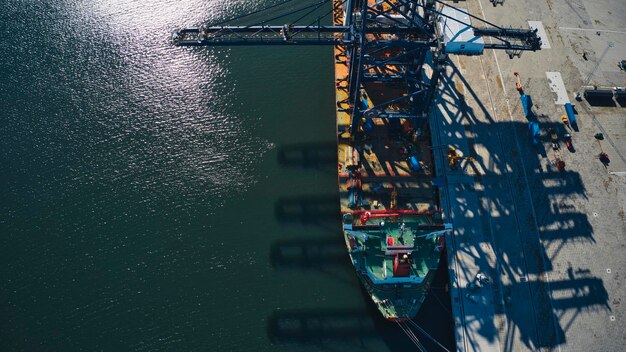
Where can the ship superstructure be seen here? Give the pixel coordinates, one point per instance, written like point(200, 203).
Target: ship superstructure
point(396, 256)
point(388, 57)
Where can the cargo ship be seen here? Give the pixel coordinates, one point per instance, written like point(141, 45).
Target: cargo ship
point(388, 58)
point(392, 223)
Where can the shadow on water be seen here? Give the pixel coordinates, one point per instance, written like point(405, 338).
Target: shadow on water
point(308, 253)
point(497, 196)
point(314, 210)
point(326, 255)
point(352, 329)
point(320, 156)
point(359, 328)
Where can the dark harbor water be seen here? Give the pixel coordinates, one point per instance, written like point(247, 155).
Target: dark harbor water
point(161, 198)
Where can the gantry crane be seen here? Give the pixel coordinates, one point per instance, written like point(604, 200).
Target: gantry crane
point(398, 45)
point(389, 56)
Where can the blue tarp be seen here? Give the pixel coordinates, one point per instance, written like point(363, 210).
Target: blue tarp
point(415, 164)
point(569, 110)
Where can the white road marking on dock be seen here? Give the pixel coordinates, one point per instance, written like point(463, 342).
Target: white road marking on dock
point(555, 81)
point(592, 30)
point(541, 32)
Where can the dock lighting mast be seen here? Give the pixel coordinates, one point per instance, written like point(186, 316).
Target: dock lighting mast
point(402, 44)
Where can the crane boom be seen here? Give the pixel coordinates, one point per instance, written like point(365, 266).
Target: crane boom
point(397, 43)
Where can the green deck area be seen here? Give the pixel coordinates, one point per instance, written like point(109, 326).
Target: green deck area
point(374, 247)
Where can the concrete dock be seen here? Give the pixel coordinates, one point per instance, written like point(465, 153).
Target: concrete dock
point(550, 243)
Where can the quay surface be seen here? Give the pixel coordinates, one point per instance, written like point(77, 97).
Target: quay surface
point(550, 242)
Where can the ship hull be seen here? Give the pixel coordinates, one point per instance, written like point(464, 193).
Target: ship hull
point(386, 172)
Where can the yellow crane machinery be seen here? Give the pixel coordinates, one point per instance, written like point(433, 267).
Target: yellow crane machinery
point(455, 159)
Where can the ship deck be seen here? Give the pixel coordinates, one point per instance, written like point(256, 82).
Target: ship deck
point(383, 170)
point(550, 242)
point(379, 167)
point(383, 156)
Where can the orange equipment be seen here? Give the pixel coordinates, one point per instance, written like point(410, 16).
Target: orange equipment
point(565, 120)
point(518, 83)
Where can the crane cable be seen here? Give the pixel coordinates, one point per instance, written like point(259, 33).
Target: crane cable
point(320, 18)
point(313, 10)
point(407, 330)
point(469, 14)
point(315, 6)
point(411, 336)
point(428, 335)
point(469, 25)
point(252, 13)
point(291, 12)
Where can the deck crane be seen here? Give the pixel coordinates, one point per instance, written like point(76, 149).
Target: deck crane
point(401, 44)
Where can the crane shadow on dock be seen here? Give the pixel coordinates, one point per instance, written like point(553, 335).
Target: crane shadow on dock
point(364, 328)
point(514, 212)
